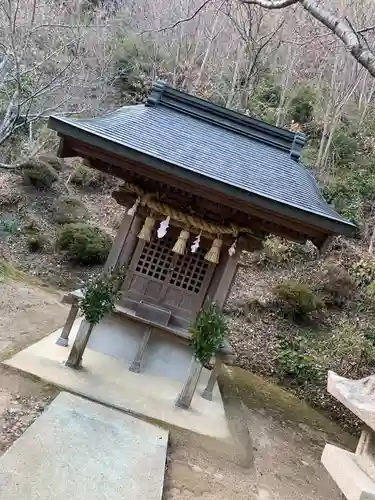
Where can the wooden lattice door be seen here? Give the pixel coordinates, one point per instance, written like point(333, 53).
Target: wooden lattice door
point(159, 276)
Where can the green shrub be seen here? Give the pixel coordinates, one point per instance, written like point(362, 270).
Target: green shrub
point(268, 92)
point(347, 350)
point(363, 271)
point(67, 209)
point(345, 200)
point(294, 361)
point(83, 243)
point(297, 298)
point(208, 332)
point(352, 190)
point(38, 174)
point(371, 289)
point(100, 296)
point(135, 61)
point(55, 162)
point(278, 251)
point(344, 147)
point(86, 177)
point(302, 104)
point(336, 283)
point(8, 225)
point(35, 242)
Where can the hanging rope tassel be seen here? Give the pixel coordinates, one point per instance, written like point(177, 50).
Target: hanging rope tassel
point(214, 252)
point(146, 231)
point(180, 245)
point(133, 209)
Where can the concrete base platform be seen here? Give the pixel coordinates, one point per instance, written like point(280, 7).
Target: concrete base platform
point(347, 474)
point(108, 380)
point(79, 449)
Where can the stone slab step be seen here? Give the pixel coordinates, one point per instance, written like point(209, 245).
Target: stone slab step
point(83, 450)
point(342, 466)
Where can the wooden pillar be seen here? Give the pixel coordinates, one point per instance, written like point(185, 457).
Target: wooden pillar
point(124, 236)
point(207, 393)
point(78, 348)
point(186, 395)
point(121, 251)
point(131, 240)
point(227, 276)
point(136, 364)
point(64, 336)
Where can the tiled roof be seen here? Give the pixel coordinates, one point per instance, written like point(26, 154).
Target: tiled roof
point(220, 145)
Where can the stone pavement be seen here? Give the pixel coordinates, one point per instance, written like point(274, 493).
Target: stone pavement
point(108, 380)
point(81, 449)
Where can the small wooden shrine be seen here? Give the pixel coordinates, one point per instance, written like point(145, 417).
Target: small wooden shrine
point(201, 183)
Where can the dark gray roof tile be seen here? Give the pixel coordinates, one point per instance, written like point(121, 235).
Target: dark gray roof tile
point(211, 151)
point(214, 143)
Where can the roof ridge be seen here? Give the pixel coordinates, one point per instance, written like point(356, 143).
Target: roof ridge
point(165, 95)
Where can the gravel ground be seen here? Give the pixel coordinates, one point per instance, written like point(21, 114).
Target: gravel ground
point(27, 313)
point(275, 453)
point(269, 459)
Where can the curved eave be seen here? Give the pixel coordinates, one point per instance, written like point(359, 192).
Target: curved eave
point(324, 224)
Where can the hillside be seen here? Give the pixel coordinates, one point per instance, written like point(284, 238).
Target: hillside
point(28, 214)
point(271, 335)
point(294, 314)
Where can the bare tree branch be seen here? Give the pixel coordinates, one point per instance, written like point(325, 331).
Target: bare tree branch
point(271, 4)
point(341, 28)
point(367, 29)
point(180, 21)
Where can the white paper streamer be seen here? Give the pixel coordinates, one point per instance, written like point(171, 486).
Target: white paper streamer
point(163, 228)
point(133, 209)
point(232, 249)
point(194, 247)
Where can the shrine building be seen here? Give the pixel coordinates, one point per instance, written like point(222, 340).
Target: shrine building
point(200, 184)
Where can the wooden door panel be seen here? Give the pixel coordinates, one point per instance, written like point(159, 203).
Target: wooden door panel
point(153, 290)
point(187, 303)
point(177, 282)
point(138, 284)
point(173, 297)
point(142, 288)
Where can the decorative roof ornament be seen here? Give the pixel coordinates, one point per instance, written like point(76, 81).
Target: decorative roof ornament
point(297, 145)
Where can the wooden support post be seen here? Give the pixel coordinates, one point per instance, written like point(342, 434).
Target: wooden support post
point(207, 393)
point(113, 260)
point(64, 336)
point(221, 284)
point(78, 348)
point(136, 364)
point(188, 390)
